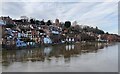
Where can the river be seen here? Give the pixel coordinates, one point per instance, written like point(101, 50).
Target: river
point(85, 57)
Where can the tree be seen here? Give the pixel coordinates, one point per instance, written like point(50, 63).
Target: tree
point(10, 25)
point(76, 29)
point(37, 22)
point(86, 29)
point(99, 31)
point(86, 37)
point(67, 24)
point(107, 33)
point(32, 21)
point(49, 22)
point(42, 22)
point(96, 28)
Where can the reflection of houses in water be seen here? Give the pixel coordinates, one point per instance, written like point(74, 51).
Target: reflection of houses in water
point(47, 50)
point(12, 56)
point(67, 51)
point(67, 60)
point(69, 47)
point(100, 45)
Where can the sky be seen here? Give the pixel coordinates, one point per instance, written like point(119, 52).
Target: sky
point(103, 14)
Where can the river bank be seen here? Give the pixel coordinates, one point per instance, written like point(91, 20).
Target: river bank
point(13, 47)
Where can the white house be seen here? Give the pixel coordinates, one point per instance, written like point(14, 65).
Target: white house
point(55, 32)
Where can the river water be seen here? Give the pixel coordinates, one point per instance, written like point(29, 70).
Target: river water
point(79, 57)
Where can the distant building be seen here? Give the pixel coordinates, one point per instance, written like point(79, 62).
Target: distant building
point(74, 23)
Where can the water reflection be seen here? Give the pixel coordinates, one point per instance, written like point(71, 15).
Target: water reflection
point(45, 53)
point(70, 47)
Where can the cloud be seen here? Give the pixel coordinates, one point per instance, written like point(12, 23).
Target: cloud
point(61, 0)
point(101, 14)
point(14, 9)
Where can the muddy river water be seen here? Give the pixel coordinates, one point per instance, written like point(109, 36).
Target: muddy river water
point(79, 57)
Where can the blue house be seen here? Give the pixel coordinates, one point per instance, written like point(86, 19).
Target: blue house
point(20, 43)
point(47, 40)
